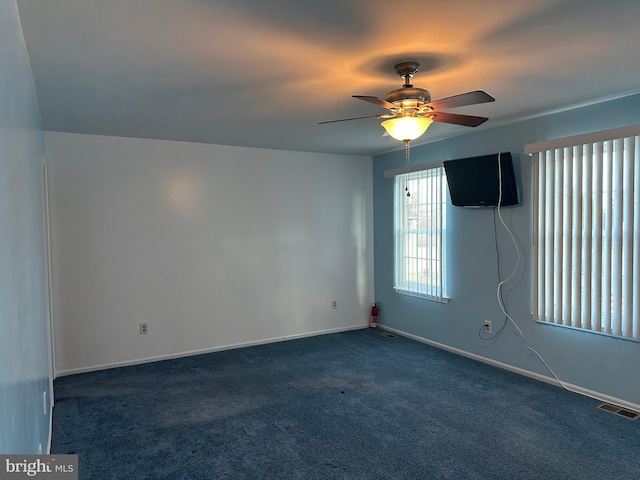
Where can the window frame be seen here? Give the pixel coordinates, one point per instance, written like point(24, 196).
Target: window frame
point(436, 203)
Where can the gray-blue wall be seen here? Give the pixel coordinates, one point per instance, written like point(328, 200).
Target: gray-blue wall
point(590, 361)
point(24, 344)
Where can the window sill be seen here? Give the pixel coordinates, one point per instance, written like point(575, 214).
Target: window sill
point(422, 295)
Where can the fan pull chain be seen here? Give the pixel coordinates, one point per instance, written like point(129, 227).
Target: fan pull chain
point(406, 149)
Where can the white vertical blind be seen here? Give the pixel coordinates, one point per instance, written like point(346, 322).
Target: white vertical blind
point(420, 229)
point(586, 245)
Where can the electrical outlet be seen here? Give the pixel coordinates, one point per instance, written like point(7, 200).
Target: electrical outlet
point(334, 304)
point(486, 326)
point(144, 328)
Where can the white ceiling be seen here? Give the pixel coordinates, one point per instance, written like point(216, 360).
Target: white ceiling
point(263, 73)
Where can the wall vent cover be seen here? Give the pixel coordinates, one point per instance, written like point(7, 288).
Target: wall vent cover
point(623, 412)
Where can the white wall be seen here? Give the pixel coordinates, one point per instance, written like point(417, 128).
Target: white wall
point(213, 246)
point(24, 344)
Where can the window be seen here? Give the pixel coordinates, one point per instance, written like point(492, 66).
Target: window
point(587, 232)
point(420, 231)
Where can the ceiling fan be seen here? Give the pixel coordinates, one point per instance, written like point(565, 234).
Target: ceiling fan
point(412, 111)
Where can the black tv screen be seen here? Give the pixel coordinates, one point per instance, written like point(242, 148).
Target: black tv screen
point(473, 182)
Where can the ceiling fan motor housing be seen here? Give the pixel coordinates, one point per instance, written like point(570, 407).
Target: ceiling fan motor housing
point(408, 97)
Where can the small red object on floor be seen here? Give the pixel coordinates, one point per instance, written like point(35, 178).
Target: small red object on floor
point(374, 315)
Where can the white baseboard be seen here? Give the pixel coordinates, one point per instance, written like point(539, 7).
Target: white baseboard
point(126, 363)
point(536, 376)
point(505, 366)
point(50, 430)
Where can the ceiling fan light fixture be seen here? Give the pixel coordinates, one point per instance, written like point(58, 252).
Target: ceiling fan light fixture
point(407, 128)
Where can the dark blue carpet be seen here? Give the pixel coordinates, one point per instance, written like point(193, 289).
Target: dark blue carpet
point(354, 405)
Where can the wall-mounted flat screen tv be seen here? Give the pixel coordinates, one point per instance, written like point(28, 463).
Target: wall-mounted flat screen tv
point(473, 181)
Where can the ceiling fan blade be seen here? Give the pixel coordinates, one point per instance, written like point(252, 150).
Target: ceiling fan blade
point(377, 101)
point(469, 98)
point(354, 118)
point(457, 119)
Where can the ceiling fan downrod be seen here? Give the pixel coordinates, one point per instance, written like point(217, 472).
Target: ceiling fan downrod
point(407, 97)
point(407, 70)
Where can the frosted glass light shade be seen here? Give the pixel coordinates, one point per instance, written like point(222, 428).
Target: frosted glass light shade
point(406, 128)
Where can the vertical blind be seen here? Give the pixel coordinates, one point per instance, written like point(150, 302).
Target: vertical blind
point(587, 235)
point(420, 227)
